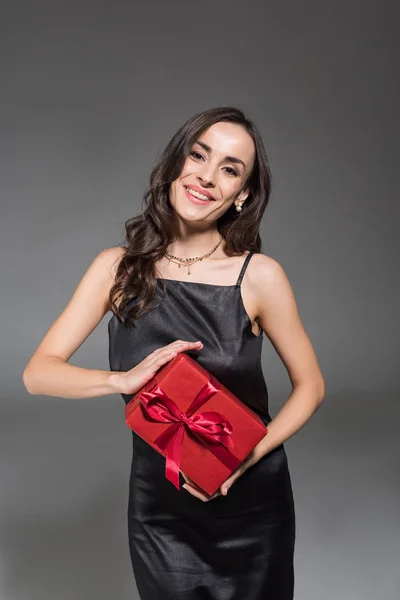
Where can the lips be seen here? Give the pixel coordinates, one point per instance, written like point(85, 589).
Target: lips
point(195, 188)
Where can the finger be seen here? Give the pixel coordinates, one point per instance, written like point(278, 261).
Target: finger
point(232, 478)
point(177, 346)
point(191, 482)
point(218, 493)
point(187, 345)
point(188, 479)
point(194, 485)
point(161, 359)
point(195, 492)
point(163, 355)
point(199, 493)
point(180, 343)
point(167, 353)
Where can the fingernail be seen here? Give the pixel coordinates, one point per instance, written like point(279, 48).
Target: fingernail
point(224, 490)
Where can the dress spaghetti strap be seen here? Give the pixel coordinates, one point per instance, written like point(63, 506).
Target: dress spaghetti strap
point(243, 269)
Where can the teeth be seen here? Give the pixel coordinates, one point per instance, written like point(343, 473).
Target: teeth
point(198, 195)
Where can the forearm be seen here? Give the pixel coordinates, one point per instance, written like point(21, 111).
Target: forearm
point(302, 403)
point(51, 376)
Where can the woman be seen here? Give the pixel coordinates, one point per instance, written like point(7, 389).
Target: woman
point(191, 278)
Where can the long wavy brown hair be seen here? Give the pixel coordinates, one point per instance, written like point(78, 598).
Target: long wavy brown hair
point(148, 235)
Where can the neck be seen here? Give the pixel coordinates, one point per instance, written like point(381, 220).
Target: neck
point(195, 244)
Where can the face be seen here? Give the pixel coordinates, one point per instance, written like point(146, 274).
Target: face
point(218, 165)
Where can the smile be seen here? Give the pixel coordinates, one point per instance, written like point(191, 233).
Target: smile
point(197, 196)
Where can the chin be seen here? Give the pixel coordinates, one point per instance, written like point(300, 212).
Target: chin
point(189, 214)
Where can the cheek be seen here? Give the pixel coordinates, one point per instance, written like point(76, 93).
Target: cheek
point(230, 188)
point(186, 169)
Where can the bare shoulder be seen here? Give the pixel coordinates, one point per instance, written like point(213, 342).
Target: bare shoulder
point(264, 271)
point(109, 259)
point(100, 276)
point(271, 288)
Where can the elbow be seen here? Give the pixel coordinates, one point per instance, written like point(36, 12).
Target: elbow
point(25, 379)
point(314, 389)
point(320, 390)
point(28, 381)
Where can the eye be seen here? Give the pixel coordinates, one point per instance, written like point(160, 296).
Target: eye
point(232, 171)
point(196, 155)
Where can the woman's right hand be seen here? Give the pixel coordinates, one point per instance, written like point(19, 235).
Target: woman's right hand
point(134, 379)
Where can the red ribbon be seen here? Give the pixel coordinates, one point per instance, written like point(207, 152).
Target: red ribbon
point(211, 428)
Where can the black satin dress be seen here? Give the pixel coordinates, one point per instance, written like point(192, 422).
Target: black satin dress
point(234, 547)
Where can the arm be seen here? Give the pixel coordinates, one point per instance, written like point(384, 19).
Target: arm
point(279, 317)
point(48, 371)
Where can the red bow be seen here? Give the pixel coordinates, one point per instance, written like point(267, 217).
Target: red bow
point(211, 428)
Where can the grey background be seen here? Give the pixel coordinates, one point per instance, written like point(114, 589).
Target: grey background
point(91, 91)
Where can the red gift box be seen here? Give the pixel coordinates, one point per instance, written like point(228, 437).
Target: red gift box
point(193, 420)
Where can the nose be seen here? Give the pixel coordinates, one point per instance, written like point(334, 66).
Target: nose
point(206, 180)
point(206, 176)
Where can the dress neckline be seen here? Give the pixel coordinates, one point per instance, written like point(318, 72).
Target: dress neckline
point(216, 285)
point(196, 282)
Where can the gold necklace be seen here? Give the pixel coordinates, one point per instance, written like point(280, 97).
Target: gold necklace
point(189, 261)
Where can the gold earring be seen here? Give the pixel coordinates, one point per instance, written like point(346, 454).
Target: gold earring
point(239, 205)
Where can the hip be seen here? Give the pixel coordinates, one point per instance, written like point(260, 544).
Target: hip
point(265, 487)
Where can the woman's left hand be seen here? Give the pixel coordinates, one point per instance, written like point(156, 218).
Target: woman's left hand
point(193, 489)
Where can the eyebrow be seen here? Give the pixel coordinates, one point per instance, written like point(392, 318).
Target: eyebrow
point(233, 159)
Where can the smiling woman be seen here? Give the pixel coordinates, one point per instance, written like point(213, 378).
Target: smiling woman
point(217, 183)
point(203, 209)
point(219, 154)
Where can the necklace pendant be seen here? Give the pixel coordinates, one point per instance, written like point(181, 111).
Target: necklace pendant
point(189, 261)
